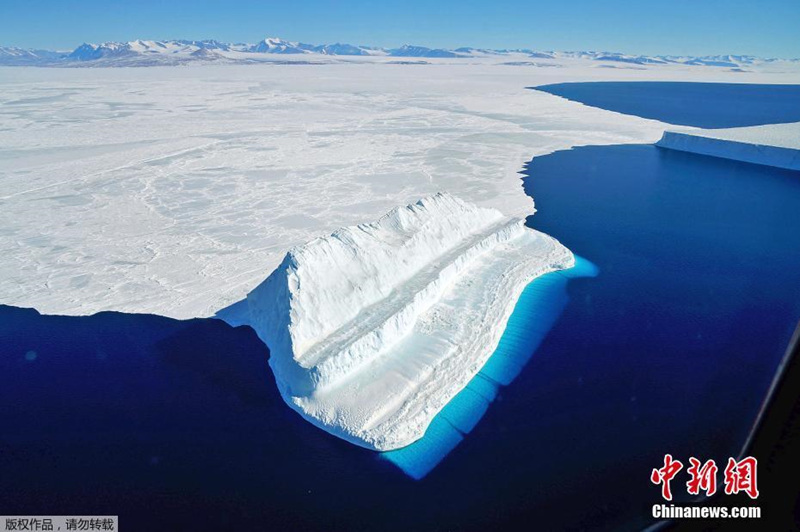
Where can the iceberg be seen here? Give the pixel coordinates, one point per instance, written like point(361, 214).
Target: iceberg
point(537, 310)
point(374, 329)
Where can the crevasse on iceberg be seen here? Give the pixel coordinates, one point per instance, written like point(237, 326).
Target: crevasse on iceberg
point(373, 329)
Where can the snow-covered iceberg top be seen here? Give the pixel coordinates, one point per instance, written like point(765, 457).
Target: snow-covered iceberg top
point(373, 329)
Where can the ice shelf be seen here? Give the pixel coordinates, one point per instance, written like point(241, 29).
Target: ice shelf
point(374, 329)
point(776, 145)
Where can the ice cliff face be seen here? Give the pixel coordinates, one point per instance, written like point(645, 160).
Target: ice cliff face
point(776, 145)
point(364, 325)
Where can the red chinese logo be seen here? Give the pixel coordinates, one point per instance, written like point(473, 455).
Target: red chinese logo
point(739, 476)
point(703, 477)
point(665, 475)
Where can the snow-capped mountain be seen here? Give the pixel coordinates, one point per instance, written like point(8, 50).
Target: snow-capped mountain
point(175, 52)
point(19, 56)
point(155, 51)
point(634, 59)
point(347, 49)
point(408, 50)
point(541, 55)
point(210, 44)
point(273, 45)
point(91, 52)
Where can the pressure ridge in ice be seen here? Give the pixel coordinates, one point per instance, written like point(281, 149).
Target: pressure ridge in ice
point(373, 329)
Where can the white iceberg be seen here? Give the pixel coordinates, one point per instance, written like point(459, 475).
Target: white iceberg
point(373, 329)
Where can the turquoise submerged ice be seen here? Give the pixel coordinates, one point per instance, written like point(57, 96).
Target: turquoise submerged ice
point(375, 328)
point(538, 308)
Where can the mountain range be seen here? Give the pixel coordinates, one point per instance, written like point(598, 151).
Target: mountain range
point(272, 49)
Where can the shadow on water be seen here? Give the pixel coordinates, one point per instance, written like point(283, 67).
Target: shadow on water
point(707, 105)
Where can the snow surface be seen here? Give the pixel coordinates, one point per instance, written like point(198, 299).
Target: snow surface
point(373, 329)
point(775, 145)
point(174, 190)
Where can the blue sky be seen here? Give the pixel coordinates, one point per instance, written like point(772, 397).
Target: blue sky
point(699, 27)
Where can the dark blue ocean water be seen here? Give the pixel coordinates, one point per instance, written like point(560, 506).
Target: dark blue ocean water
point(708, 105)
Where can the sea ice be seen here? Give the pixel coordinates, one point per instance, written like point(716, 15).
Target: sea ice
point(172, 190)
point(373, 329)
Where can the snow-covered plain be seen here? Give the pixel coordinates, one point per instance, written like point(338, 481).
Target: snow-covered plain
point(375, 328)
point(175, 190)
point(775, 145)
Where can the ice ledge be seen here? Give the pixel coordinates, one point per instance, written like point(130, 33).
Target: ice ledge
point(776, 145)
point(373, 329)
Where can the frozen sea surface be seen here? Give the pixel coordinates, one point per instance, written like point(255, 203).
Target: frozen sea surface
point(172, 190)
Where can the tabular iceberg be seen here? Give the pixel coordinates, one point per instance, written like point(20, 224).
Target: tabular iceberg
point(373, 329)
